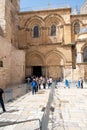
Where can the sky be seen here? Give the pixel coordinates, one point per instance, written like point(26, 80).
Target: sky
point(30, 5)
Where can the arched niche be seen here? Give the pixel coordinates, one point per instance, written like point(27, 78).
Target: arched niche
point(54, 18)
point(55, 65)
point(34, 59)
point(55, 58)
point(35, 20)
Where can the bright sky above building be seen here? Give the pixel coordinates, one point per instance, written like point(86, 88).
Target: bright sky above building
point(30, 5)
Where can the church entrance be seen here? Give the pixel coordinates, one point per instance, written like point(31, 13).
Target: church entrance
point(37, 71)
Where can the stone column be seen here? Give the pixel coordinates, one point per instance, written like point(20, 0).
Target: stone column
point(43, 71)
point(79, 57)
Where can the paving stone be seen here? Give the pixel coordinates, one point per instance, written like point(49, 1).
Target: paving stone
point(27, 107)
point(72, 105)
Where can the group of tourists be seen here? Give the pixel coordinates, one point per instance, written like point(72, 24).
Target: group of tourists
point(78, 85)
point(38, 83)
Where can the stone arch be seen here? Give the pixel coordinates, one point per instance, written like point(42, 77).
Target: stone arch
point(35, 20)
point(54, 18)
point(84, 52)
point(77, 20)
point(55, 62)
point(55, 58)
point(32, 22)
point(73, 23)
point(83, 47)
point(34, 58)
point(57, 20)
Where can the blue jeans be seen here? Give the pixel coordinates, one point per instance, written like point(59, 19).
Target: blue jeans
point(34, 89)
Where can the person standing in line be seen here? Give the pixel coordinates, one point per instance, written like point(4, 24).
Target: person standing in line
point(50, 81)
point(81, 83)
point(39, 83)
point(44, 82)
point(67, 83)
point(1, 100)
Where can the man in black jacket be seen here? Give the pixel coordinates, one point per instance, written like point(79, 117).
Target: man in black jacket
point(1, 100)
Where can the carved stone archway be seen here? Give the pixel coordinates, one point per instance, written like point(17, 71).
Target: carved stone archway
point(34, 60)
point(55, 65)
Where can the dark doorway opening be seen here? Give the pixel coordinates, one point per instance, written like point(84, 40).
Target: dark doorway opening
point(37, 71)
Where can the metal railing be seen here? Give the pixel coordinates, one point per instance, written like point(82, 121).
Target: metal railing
point(3, 124)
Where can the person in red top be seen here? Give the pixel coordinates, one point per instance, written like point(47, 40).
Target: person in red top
point(1, 100)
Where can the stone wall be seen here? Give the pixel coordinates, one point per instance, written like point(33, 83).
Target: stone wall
point(50, 52)
point(82, 20)
point(11, 18)
point(12, 70)
point(2, 17)
point(17, 66)
point(15, 91)
point(44, 19)
point(5, 57)
point(12, 61)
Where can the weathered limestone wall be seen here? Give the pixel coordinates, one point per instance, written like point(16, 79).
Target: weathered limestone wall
point(44, 19)
point(5, 57)
point(11, 18)
point(79, 72)
point(17, 66)
point(67, 34)
point(15, 91)
point(68, 73)
point(13, 69)
point(48, 52)
point(82, 20)
point(2, 17)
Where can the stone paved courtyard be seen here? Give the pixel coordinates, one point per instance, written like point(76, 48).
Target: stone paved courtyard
point(70, 110)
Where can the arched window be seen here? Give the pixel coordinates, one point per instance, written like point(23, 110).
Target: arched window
point(53, 30)
point(85, 54)
point(76, 28)
point(36, 31)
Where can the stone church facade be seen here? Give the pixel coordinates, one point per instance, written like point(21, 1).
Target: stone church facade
point(45, 42)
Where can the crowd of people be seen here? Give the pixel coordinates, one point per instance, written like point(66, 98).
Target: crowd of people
point(38, 83)
point(42, 82)
point(78, 85)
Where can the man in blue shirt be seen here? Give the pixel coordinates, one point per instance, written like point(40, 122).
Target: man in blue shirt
point(34, 86)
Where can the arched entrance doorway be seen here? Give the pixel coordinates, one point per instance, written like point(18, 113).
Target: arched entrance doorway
point(51, 66)
point(37, 71)
point(35, 65)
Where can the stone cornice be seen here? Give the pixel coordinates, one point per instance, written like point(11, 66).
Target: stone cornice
point(48, 10)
